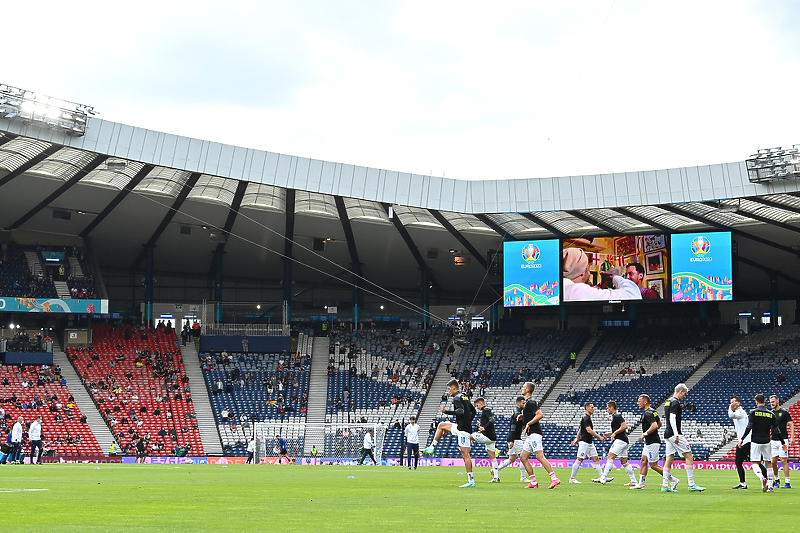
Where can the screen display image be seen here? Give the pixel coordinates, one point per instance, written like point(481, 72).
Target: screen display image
point(702, 267)
point(54, 257)
point(531, 273)
point(628, 267)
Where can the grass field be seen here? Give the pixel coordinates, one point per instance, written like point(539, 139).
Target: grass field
point(107, 497)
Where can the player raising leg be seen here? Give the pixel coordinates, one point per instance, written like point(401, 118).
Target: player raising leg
point(619, 446)
point(515, 442)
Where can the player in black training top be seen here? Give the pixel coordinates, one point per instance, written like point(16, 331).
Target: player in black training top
point(531, 416)
point(585, 441)
point(786, 427)
point(486, 435)
point(515, 438)
point(461, 429)
point(676, 442)
point(762, 423)
point(652, 442)
point(619, 445)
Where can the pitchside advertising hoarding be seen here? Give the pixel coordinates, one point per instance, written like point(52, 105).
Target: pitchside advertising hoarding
point(702, 267)
point(531, 273)
point(52, 305)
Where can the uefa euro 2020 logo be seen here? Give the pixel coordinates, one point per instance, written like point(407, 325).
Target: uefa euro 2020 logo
point(530, 253)
point(701, 246)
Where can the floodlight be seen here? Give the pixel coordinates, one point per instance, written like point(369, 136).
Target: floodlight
point(54, 113)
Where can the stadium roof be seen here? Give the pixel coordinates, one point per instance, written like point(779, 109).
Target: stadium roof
point(125, 186)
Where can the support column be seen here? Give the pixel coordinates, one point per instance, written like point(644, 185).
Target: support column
point(287, 289)
point(562, 309)
point(773, 299)
point(218, 286)
point(426, 299)
point(356, 303)
point(148, 285)
point(494, 316)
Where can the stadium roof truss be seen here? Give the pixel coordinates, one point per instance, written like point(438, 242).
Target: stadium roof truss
point(135, 187)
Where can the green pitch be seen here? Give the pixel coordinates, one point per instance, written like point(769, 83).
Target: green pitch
point(321, 498)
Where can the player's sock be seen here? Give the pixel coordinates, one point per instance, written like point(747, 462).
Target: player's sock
point(770, 477)
point(665, 482)
point(600, 469)
point(470, 477)
point(434, 442)
point(522, 472)
point(553, 475)
point(642, 477)
point(604, 473)
point(690, 475)
point(504, 464)
point(629, 471)
point(494, 464)
point(758, 470)
point(575, 466)
point(785, 478)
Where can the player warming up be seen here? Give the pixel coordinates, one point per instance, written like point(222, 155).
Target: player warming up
point(786, 432)
point(487, 436)
point(652, 442)
point(412, 441)
point(762, 422)
point(619, 446)
point(676, 442)
point(585, 441)
point(461, 429)
point(531, 418)
point(515, 440)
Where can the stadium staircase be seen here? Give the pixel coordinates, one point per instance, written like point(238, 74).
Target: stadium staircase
point(83, 400)
point(62, 289)
point(568, 376)
point(430, 407)
point(317, 394)
point(33, 262)
point(75, 267)
point(699, 373)
point(207, 425)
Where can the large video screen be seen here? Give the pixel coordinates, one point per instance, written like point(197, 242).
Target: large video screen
point(531, 273)
point(702, 267)
point(629, 267)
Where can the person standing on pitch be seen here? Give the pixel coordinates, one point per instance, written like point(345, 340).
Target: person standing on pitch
point(412, 441)
point(739, 417)
point(487, 436)
point(464, 412)
point(762, 422)
point(16, 442)
point(676, 442)
point(652, 442)
point(251, 451)
point(785, 431)
point(531, 418)
point(367, 448)
point(515, 440)
point(585, 441)
point(619, 446)
point(35, 438)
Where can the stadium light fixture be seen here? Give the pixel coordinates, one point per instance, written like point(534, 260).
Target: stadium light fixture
point(774, 164)
point(44, 111)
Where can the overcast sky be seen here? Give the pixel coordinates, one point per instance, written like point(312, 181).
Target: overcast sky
point(469, 90)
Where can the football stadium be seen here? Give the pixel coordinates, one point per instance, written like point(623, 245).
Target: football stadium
point(203, 336)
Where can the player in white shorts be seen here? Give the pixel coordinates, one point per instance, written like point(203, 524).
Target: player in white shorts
point(619, 446)
point(486, 435)
point(786, 431)
point(652, 442)
point(676, 442)
point(514, 439)
point(763, 423)
point(585, 441)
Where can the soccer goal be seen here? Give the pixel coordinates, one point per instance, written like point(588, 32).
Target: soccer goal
point(317, 444)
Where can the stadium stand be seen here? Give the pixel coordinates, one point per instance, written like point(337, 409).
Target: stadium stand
point(137, 380)
point(387, 376)
point(246, 388)
point(39, 390)
point(623, 364)
point(540, 356)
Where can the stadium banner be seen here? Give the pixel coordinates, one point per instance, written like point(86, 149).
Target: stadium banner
point(52, 305)
point(567, 463)
point(79, 459)
point(167, 460)
point(531, 273)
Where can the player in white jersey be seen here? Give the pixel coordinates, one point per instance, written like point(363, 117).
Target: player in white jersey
point(412, 441)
